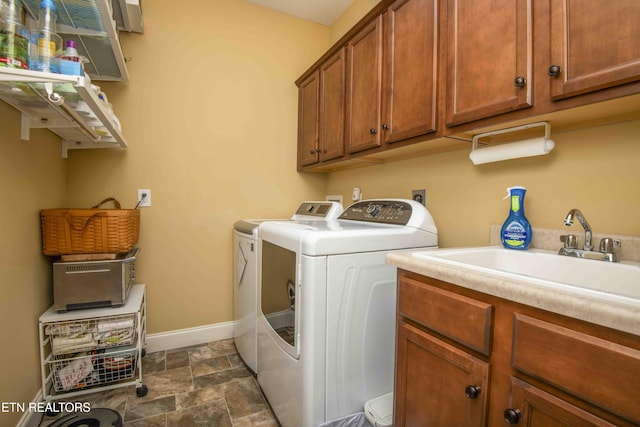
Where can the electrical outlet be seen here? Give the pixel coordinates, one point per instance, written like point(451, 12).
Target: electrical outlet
point(356, 196)
point(419, 196)
point(144, 198)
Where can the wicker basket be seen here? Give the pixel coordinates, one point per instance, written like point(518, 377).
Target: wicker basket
point(89, 231)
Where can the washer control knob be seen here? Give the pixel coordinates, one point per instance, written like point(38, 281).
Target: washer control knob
point(373, 210)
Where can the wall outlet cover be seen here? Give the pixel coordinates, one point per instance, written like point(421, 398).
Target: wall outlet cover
point(146, 202)
point(419, 196)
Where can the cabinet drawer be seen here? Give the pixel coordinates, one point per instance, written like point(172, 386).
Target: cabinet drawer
point(595, 370)
point(459, 318)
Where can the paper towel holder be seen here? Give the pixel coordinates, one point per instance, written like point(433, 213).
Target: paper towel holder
point(513, 150)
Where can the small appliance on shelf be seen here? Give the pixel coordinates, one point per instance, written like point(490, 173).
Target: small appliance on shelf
point(93, 280)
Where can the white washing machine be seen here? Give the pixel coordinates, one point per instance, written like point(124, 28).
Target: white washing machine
point(331, 351)
point(245, 279)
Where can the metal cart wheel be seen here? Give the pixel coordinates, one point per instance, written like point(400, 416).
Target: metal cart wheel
point(142, 391)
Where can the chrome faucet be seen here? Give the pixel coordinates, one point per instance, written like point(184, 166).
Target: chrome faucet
point(568, 221)
point(608, 247)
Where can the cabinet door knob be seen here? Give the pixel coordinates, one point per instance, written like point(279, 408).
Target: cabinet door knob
point(385, 126)
point(554, 71)
point(472, 391)
point(520, 81)
point(372, 131)
point(512, 415)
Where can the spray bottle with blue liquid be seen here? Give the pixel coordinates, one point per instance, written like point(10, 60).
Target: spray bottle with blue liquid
point(516, 230)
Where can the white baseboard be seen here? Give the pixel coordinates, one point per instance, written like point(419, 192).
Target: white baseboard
point(187, 337)
point(26, 419)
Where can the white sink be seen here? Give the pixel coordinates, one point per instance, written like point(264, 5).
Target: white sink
point(545, 267)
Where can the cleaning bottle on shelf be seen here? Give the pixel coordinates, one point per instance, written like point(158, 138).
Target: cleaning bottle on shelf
point(70, 60)
point(48, 48)
point(14, 45)
point(71, 52)
point(516, 230)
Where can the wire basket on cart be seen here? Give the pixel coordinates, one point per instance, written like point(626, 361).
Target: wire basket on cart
point(96, 349)
point(91, 352)
point(93, 368)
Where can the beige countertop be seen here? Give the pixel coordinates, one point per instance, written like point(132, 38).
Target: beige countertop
point(623, 315)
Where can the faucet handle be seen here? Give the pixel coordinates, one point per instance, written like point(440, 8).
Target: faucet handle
point(609, 246)
point(570, 241)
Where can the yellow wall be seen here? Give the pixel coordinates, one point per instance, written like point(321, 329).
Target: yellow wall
point(350, 17)
point(210, 115)
point(32, 177)
point(593, 169)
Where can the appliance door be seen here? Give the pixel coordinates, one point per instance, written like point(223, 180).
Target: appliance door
point(278, 292)
point(245, 298)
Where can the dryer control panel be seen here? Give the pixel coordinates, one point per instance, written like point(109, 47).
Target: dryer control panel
point(382, 211)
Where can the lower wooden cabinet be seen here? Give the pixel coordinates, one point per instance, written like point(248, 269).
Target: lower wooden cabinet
point(527, 367)
point(533, 407)
point(437, 384)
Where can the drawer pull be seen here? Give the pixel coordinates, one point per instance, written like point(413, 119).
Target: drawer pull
point(472, 391)
point(512, 415)
point(554, 71)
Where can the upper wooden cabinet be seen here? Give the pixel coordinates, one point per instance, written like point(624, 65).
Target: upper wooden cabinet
point(417, 71)
point(332, 98)
point(411, 70)
point(364, 87)
point(321, 111)
point(595, 44)
point(308, 96)
point(393, 75)
point(504, 56)
point(489, 58)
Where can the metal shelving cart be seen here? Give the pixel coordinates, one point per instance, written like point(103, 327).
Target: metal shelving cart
point(91, 350)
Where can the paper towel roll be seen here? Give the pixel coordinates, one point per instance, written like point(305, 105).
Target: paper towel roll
point(513, 150)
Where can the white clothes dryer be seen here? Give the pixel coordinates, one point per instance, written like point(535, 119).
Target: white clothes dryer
point(323, 358)
point(245, 279)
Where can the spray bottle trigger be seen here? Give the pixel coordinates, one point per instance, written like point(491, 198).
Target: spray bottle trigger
point(508, 194)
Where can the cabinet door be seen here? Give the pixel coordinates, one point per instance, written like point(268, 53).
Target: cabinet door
point(432, 378)
point(332, 94)
point(411, 59)
point(308, 120)
point(533, 407)
point(595, 44)
point(489, 58)
point(364, 87)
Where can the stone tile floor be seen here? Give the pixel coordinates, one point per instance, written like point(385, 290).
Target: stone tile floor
point(204, 385)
